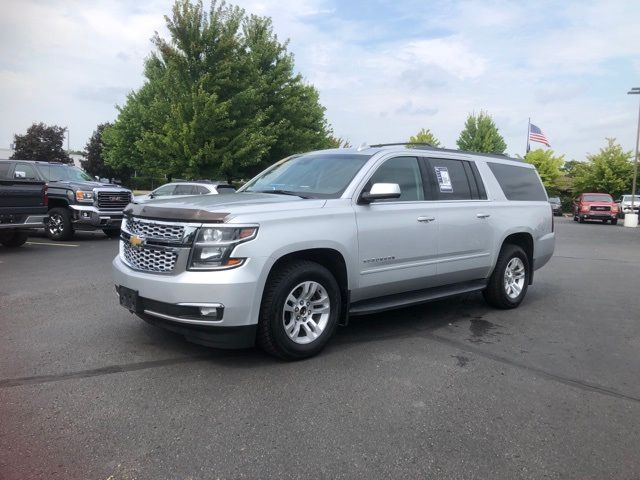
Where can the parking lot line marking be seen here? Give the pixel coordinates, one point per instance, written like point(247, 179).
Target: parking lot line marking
point(53, 244)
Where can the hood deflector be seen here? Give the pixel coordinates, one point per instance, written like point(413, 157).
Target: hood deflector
point(177, 214)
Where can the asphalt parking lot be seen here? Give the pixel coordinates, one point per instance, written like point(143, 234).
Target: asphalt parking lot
point(453, 389)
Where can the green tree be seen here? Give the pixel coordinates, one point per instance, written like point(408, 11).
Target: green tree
point(569, 168)
point(608, 171)
point(480, 134)
point(41, 142)
point(425, 136)
point(548, 166)
point(221, 99)
point(94, 163)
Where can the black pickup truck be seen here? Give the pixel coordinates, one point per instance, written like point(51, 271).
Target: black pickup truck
point(23, 204)
point(76, 201)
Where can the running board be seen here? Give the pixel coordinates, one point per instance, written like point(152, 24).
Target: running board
point(381, 304)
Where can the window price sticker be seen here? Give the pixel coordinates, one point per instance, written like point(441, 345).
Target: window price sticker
point(444, 181)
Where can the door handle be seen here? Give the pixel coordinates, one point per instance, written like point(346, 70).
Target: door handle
point(426, 219)
point(483, 215)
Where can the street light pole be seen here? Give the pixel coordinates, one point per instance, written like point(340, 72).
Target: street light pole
point(634, 220)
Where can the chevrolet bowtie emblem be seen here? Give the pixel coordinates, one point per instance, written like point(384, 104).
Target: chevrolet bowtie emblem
point(136, 241)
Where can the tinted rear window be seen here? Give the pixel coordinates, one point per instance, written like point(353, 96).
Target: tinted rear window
point(518, 183)
point(4, 170)
point(225, 189)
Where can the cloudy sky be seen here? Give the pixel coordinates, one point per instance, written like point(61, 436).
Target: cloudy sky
point(384, 69)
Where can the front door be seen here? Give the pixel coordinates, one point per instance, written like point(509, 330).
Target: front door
point(397, 238)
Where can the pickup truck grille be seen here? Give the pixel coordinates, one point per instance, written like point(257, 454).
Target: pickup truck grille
point(600, 209)
point(150, 259)
point(113, 200)
point(154, 230)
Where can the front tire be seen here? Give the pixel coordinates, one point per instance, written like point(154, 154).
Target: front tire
point(509, 281)
point(14, 239)
point(614, 221)
point(300, 310)
point(59, 226)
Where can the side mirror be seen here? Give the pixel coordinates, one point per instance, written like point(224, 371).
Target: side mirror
point(19, 174)
point(151, 195)
point(381, 191)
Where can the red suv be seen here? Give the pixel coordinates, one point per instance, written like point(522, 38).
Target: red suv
point(595, 206)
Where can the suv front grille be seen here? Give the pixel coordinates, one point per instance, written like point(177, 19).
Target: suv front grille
point(150, 259)
point(113, 200)
point(154, 230)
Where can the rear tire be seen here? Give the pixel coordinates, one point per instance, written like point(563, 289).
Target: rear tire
point(509, 281)
point(300, 310)
point(14, 239)
point(59, 226)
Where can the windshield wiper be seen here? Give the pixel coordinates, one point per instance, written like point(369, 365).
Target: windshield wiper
point(280, 192)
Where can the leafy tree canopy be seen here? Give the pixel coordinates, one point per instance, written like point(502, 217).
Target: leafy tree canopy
point(548, 166)
point(480, 134)
point(94, 163)
point(425, 136)
point(608, 171)
point(41, 142)
point(221, 99)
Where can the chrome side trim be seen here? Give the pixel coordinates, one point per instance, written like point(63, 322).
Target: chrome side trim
point(183, 320)
point(210, 305)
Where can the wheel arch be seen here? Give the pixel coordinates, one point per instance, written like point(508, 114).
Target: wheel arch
point(58, 203)
point(524, 240)
point(329, 258)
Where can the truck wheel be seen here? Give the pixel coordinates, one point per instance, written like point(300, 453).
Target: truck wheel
point(509, 281)
point(580, 219)
point(14, 239)
point(614, 221)
point(59, 226)
point(111, 232)
point(300, 310)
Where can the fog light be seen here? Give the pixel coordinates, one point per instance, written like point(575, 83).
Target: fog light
point(86, 214)
point(211, 312)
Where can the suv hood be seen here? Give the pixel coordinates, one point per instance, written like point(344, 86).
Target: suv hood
point(87, 185)
point(219, 208)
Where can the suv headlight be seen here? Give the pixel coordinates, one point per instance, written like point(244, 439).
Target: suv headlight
point(82, 196)
point(213, 246)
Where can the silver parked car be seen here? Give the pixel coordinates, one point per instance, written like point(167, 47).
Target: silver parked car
point(326, 235)
point(179, 189)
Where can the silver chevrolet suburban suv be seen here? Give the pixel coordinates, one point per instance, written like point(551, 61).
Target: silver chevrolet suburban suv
point(322, 236)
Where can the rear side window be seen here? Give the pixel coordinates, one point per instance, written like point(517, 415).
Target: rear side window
point(185, 190)
point(5, 168)
point(27, 171)
point(452, 180)
point(225, 189)
point(518, 183)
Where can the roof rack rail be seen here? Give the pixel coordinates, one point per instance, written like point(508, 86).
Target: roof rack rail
point(419, 144)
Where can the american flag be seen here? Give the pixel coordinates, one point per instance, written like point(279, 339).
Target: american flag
point(536, 135)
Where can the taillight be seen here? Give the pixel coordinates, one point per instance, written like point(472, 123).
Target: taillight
point(45, 195)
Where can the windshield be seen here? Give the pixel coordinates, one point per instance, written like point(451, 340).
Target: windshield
point(311, 175)
point(627, 198)
point(597, 198)
point(65, 173)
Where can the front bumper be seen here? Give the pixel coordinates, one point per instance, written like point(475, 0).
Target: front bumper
point(88, 216)
point(172, 301)
point(595, 215)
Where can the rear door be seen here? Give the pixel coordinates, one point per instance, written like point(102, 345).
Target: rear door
point(397, 238)
point(464, 220)
point(21, 190)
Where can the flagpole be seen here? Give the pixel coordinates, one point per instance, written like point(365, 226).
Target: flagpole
point(528, 132)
